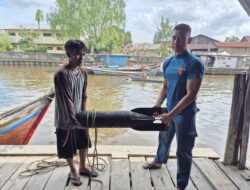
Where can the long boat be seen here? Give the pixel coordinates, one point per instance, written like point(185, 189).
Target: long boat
point(112, 72)
point(19, 124)
point(143, 79)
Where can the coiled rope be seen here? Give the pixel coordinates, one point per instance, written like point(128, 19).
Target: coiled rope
point(44, 165)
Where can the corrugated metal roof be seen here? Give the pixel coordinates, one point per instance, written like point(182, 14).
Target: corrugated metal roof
point(146, 46)
point(201, 46)
point(246, 37)
point(233, 44)
point(201, 35)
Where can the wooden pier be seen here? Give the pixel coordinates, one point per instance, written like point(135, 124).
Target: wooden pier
point(123, 172)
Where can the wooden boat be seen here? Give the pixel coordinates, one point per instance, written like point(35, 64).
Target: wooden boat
point(130, 69)
point(146, 79)
point(18, 125)
point(112, 72)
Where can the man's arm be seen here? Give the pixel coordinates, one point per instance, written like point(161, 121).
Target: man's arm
point(193, 87)
point(162, 94)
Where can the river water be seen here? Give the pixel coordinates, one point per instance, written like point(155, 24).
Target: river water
point(20, 85)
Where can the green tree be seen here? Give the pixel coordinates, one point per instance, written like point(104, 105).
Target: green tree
point(163, 36)
point(28, 43)
point(232, 39)
point(112, 39)
point(5, 42)
point(86, 19)
point(39, 17)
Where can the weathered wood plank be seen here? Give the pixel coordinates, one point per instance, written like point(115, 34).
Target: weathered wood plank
point(117, 151)
point(172, 168)
point(214, 175)
point(161, 177)
point(104, 176)
point(38, 181)
point(140, 177)
point(235, 175)
point(3, 160)
point(58, 179)
point(17, 182)
point(244, 133)
point(199, 180)
point(83, 186)
point(9, 168)
point(236, 120)
point(120, 174)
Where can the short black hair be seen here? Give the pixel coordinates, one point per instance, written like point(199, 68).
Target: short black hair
point(184, 27)
point(75, 45)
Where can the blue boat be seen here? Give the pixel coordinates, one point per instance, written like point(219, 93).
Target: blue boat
point(113, 61)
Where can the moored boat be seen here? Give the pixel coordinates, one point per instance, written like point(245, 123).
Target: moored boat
point(18, 125)
point(146, 79)
point(111, 72)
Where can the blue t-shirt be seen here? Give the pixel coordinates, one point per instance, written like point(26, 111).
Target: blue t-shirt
point(176, 70)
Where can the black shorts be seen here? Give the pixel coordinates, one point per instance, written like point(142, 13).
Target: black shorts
point(77, 139)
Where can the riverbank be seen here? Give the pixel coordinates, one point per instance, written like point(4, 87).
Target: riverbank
point(49, 59)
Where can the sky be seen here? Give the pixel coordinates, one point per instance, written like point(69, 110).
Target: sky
point(214, 18)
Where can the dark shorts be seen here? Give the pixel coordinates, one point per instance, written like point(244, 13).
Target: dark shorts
point(76, 139)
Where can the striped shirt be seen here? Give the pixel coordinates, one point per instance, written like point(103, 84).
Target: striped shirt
point(70, 94)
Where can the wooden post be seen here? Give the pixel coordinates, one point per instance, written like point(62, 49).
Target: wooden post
point(236, 120)
point(245, 128)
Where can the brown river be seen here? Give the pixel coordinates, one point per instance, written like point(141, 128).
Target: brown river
point(20, 85)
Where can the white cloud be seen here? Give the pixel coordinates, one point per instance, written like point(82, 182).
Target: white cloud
point(214, 18)
point(29, 3)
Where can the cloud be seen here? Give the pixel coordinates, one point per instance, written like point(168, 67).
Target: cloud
point(216, 19)
point(22, 12)
point(213, 18)
point(29, 3)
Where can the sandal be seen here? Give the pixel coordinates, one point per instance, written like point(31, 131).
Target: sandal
point(75, 180)
point(88, 173)
point(151, 165)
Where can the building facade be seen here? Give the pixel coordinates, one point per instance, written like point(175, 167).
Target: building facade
point(234, 48)
point(202, 43)
point(42, 36)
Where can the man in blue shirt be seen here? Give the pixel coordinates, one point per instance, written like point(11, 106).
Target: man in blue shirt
point(183, 75)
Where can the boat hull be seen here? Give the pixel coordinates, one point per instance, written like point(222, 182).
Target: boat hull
point(18, 125)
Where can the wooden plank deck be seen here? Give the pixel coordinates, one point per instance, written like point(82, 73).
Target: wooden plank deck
point(121, 174)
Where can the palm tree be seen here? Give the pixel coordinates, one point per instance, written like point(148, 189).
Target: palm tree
point(39, 17)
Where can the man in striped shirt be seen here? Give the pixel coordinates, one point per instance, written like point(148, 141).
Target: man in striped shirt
point(70, 95)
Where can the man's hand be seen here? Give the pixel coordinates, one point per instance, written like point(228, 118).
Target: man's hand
point(157, 111)
point(166, 118)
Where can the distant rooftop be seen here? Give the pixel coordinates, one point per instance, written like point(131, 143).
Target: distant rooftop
point(28, 27)
point(202, 35)
point(201, 46)
point(233, 44)
point(143, 46)
point(245, 38)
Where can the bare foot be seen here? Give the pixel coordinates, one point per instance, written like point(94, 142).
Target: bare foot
point(87, 172)
point(74, 178)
